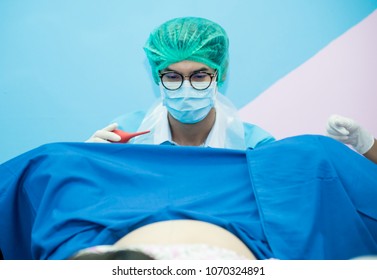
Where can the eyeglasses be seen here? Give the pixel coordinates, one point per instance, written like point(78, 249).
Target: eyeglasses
point(199, 80)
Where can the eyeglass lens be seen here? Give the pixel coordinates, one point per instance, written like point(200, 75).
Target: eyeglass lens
point(173, 80)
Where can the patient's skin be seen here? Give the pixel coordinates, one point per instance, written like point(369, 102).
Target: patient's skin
point(185, 232)
point(372, 153)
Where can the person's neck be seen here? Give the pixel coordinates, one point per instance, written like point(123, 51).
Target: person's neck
point(192, 134)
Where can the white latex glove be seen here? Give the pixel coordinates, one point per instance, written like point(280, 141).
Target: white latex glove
point(349, 132)
point(105, 135)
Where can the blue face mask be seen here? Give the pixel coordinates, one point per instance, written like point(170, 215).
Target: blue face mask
point(188, 105)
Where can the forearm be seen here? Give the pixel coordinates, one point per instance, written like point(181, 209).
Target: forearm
point(372, 153)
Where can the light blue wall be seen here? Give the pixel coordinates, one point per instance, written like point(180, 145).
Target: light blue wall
point(69, 67)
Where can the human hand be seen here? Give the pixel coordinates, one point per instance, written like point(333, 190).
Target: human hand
point(349, 132)
point(105, 135)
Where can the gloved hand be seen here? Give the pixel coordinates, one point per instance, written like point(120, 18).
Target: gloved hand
point(105, 135)
point(349, 132)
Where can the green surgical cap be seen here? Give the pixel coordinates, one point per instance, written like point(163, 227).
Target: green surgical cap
point(188, 38)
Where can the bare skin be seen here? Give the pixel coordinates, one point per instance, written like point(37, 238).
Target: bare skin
point(372, 153)
point(185, 232)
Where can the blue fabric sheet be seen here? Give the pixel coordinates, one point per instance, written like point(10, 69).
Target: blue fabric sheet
point(305, 197)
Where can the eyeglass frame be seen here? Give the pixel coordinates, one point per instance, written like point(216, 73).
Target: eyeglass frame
point(189, 78)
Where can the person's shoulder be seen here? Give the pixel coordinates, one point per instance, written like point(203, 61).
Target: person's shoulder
point(130, 121)
point(256, 136)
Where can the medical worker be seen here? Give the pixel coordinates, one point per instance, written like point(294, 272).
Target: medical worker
point(189, 61)
point(349, 132)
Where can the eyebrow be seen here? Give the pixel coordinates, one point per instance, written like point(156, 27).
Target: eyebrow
point(198, 70)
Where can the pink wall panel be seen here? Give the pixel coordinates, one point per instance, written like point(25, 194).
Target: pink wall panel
point(341, 79)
